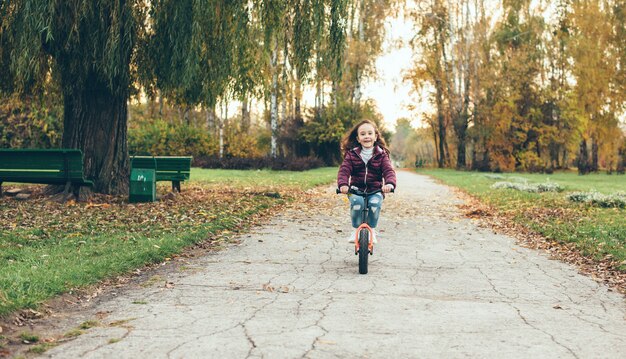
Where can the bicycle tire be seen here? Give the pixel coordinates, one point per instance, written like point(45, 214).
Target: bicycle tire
point(363, 250)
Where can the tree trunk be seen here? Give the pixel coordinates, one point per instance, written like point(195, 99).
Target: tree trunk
point(461, 133)
point(245, 115)
point(297, 100)
point(621, 160)
point(223, 122)
point(210, 120)
point(441, 125)
point(357, 72)
point(594, 155)
point(274, 100)
point(582, 161)
point(95, 122)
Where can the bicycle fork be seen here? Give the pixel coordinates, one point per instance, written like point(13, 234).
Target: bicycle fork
point(370, 242)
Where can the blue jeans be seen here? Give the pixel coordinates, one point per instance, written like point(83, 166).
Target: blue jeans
point(375, 203)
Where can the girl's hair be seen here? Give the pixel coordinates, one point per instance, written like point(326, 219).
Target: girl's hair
point(349, 140)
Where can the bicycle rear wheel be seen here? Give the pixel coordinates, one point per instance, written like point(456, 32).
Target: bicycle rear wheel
point(363, 250)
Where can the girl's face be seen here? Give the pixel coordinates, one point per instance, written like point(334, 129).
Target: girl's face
point(366, 135)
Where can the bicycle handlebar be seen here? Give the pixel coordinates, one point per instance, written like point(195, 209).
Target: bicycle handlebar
point(356, 191)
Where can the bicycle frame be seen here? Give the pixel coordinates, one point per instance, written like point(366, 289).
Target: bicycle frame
point(364, 225)
point(359, 249)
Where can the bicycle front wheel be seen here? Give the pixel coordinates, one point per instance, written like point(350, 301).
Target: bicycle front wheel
point(363, 250)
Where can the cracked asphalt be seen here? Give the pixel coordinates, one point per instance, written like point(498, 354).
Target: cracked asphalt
point(439, 286)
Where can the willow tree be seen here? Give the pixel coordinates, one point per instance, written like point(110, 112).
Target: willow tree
point(88, 45)
point(365, 35)
point(198, 52)
point(302, 43)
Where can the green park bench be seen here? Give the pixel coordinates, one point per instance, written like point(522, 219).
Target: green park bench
point(52, 166)
point(167, 168)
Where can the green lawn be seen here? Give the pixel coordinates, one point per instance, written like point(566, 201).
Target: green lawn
point(597, 232)
point(47, 248)
point(266, 178)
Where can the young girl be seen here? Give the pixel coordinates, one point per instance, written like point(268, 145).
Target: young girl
point(366, 165)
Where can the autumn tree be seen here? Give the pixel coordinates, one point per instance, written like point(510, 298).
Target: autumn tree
point(594, 70)
point(432, 42)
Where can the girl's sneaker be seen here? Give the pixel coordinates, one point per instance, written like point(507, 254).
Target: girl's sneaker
point(353, 236)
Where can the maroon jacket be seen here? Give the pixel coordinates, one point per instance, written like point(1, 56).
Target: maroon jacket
point(353, 171)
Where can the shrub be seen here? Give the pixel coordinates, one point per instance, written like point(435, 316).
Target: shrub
point(158, 137)
point(280, 163)
point(25, 123)
point(617, 200)
point(296, 164)
point(232, 163)
point(530, 162)
point(532, 188)
point(494, 176)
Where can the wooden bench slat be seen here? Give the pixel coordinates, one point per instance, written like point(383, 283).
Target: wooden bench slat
point(49, 166)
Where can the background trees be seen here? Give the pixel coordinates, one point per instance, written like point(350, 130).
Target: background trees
point(532, 86)
point(194, 56)
point(513, 84)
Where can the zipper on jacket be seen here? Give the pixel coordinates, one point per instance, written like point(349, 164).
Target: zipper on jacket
point(366, 177)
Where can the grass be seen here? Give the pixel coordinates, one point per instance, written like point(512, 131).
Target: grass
point(74, 333)
point(89, 324)
point(29, 337)
point(597, 232)
point(264, 178)
point(42, 348)
point(47, 248)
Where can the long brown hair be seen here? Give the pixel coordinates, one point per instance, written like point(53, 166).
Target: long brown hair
point(349, 140)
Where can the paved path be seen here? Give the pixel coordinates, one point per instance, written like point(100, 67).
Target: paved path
point(439, 286)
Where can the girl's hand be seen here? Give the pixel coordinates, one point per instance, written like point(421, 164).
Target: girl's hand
point(344, 189)
point(387, 188)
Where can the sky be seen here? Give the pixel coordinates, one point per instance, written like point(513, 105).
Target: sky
point(391, 94)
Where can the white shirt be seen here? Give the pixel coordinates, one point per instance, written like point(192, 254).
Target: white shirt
point(366, 154)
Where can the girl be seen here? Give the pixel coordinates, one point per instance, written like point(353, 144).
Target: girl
point(366, 165)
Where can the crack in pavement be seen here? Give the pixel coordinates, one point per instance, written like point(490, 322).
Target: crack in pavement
point(317, 324)
point(439, 286)
point(519, 313)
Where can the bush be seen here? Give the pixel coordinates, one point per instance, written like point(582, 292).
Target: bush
point(231, 163)
point(532, 188)
point(530, 162)
point(295, 164)
point(159, 138)
point(26, 123)
point(278, 164)
point(617, 200)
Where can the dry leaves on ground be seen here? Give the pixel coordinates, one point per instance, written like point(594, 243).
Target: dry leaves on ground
point(603, 270)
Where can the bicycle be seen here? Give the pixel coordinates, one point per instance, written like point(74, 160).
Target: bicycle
point(363, 242)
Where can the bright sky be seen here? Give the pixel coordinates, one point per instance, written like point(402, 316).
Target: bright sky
point(391, 94)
